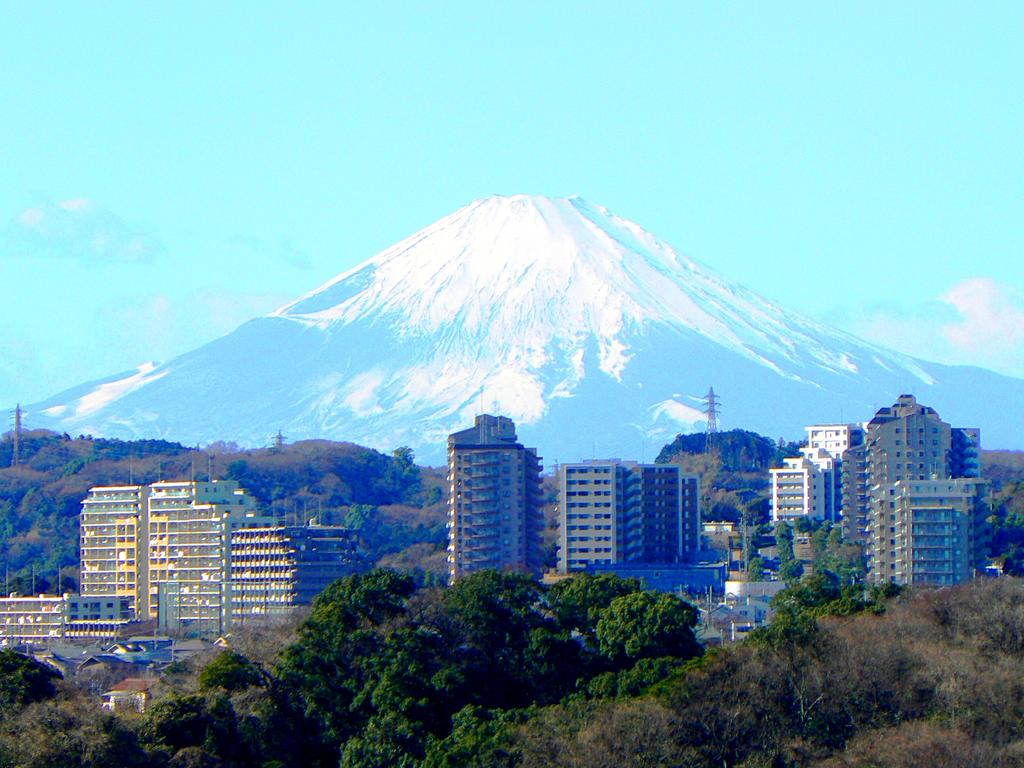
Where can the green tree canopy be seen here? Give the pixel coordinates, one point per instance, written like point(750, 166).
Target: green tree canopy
point(577, 602)
point(24, 680)
point(230, 671)
point(648, 625)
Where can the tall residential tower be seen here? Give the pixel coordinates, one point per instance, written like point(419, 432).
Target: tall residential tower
point(913, 497)
point(494, 512)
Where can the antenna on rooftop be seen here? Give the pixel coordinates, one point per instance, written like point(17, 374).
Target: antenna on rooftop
point(711, 404)
point(16, 453)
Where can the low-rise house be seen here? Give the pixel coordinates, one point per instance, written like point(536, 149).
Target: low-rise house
point(130, 693)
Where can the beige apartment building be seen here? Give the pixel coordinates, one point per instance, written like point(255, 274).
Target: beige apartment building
point(197, 555)
point(907, 446)
point(494, 515)
point(112, 539)
point(164, 545)
point(188, 554)
point(617, 512)
point(936, 528)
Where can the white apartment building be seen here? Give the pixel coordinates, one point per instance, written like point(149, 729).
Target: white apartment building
point(810, 486)
point(33, 620)
point(798, 490)
point(276, 567)
point(835, 439)
point(44, 619)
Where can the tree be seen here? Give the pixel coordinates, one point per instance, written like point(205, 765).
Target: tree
point(648, 625)
point(479, 738)
point(791, 570)
point(784, 541)
point(404, 458)
point(348, 602)
point(755, 569)
point(578, 602)
point(230, 671)
point(496, 610)
point(70, 732)
point(24, 680)
point(184, 722)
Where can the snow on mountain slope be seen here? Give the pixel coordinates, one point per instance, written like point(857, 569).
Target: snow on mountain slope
point(502, 269)
point(575, 322)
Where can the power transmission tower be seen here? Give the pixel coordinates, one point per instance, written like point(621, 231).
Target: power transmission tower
point(16, 453)
point(711, 404)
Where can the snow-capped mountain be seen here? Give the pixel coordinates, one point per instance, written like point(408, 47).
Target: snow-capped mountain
point(594, 335)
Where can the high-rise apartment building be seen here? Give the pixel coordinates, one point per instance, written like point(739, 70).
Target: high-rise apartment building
point(112, 539)
point(190, 526)
point(939, 530)
point(835, 439)
point(886, 483)
point(615, 512)
point(494, 512)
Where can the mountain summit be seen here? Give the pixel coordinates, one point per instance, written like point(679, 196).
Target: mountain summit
point(589, 331)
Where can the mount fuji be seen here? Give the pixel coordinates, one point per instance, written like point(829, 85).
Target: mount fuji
point(595, 336)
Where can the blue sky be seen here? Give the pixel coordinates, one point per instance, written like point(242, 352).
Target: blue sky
point(165, 174)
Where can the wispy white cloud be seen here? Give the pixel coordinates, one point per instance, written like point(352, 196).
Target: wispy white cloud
point(78, 229)
point(991, 317)
point(978, 321)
